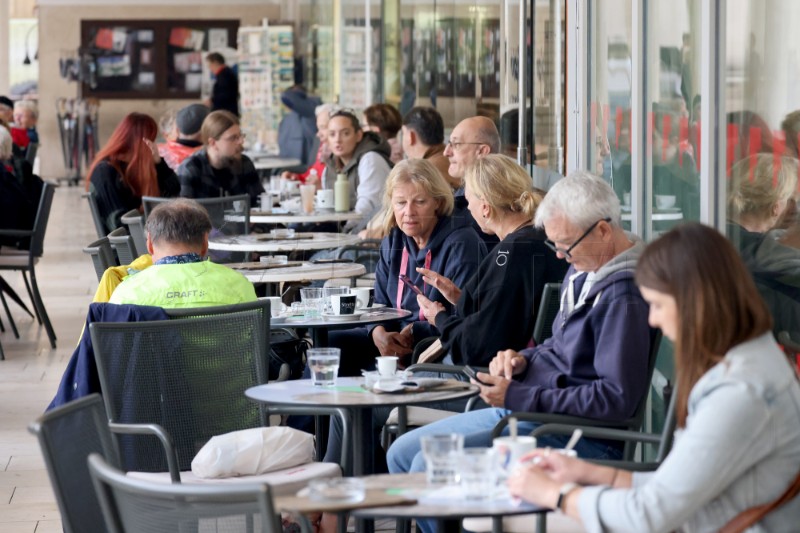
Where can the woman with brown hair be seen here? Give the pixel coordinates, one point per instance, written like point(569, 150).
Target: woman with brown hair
point(738, 406)
point(129, 167)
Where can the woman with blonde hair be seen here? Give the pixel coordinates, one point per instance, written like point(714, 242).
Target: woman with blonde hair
point(421, 233)
point(760, 190)
point(737, 407)
point(417, 205)
point(496, 309)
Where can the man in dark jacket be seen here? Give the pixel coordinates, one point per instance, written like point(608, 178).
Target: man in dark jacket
point(225, 94)
point(596, 363)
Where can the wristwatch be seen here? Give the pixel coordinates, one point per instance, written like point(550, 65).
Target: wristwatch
point(565, 489)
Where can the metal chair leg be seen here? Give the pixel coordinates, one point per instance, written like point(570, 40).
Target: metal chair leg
point(8, 314)
point(42, 312)
point(30, 294)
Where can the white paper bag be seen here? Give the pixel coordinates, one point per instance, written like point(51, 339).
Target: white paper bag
point(253, 451)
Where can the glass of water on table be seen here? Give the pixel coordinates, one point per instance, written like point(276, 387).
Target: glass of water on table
point(324, 365)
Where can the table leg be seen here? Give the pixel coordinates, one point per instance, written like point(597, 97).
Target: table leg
point(541, 522)
point(363, 456)
point(320, 336)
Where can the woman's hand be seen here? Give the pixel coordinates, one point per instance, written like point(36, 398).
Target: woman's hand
point(393, 342)
point(430, 308)
point(442, 284)
point(153, 149)
point(565, 469)
point(532, 484)
point(507, 364)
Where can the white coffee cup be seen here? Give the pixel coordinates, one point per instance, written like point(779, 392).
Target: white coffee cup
point(387, 365)
point(275, 305)
point(511, 449)
point(325, 199)
point(265, 202)
point(364, 296)
point(343, 304)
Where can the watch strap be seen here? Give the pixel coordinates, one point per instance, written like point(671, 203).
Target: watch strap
point(565, 489)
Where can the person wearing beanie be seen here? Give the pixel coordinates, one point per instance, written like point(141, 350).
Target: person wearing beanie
point(6, 109)
point(188, 121)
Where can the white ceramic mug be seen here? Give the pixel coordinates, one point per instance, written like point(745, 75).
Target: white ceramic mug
point(275, 305)
point(510, 449)
point(325, 199)
point(265, 202)
point(364, 296)
point(343, 304)
point(387, 365)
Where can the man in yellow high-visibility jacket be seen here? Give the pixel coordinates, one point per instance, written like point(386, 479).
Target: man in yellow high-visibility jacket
point(177, 239)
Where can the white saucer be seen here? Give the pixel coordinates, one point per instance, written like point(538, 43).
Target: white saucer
point(342, 318)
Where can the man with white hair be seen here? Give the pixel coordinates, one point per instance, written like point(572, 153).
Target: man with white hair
point(596, 363)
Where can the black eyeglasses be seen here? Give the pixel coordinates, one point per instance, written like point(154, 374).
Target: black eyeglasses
point(567, 252)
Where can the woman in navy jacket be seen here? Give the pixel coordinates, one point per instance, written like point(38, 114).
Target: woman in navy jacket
point(421, 234)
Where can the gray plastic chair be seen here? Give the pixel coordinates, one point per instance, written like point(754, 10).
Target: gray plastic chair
point(99, 225)
point(548, 309)
point(25, 262)
point(135, 222)
point(132, 505)
point(102, 255)
point(67, 436)
point(122, 243)
point(187, 375)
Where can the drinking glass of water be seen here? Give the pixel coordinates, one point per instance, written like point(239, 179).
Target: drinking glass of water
point(324, 365)
point(442, 453)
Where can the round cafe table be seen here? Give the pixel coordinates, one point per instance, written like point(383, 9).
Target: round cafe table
point(264, 243)
point(350, 395)
point(285, 217)
point(306, 271)
point(271, 163)
point(321, 326)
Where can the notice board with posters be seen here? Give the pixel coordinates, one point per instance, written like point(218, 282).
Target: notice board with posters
point(150, 58)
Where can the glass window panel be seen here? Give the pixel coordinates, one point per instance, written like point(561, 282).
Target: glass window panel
point(672, 94)
point(610, 72)
point(760, 173)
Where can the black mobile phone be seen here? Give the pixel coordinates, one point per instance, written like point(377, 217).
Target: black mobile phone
point(472, 373)
point(405, 279)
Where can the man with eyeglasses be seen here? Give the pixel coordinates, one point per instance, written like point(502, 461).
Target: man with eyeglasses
point(471, 139)
point(596, 363)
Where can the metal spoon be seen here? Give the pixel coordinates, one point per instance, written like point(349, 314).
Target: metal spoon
point(573, 440)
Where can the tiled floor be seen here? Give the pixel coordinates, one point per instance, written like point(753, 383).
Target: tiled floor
point(32, 370)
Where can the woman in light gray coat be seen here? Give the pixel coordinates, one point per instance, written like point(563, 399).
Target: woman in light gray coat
point(738, 407)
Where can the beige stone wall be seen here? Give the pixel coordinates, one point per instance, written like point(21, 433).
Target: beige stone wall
point(61, 26)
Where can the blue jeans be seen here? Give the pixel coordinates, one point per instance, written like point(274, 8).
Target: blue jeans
point(405, 454)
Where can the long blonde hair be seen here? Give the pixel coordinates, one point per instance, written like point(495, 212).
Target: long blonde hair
point(503, 185)
point(426, 178)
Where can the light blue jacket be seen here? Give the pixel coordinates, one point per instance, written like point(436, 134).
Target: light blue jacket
point(740, 448)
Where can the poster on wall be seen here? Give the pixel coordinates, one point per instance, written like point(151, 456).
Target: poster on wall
point(465, 58)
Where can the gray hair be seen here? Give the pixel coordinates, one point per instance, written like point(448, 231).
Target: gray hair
point(582, 198)
point(30, 105)
point(179, 221)
point(6, 145)
point(330, 109)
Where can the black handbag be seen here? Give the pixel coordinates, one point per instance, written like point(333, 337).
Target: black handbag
point(287, 355)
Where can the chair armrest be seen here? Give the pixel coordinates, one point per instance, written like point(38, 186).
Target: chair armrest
point(622, 435)
point(442, 368)
point(162, 435)
point(549, 418)
point(16, 232)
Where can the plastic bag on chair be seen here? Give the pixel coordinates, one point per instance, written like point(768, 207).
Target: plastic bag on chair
point(253, 451)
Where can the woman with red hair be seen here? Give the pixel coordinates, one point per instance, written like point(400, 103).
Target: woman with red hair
point(129, 167)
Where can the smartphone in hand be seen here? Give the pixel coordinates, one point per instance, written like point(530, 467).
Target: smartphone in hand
point(405, 279)
point(473, 374)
